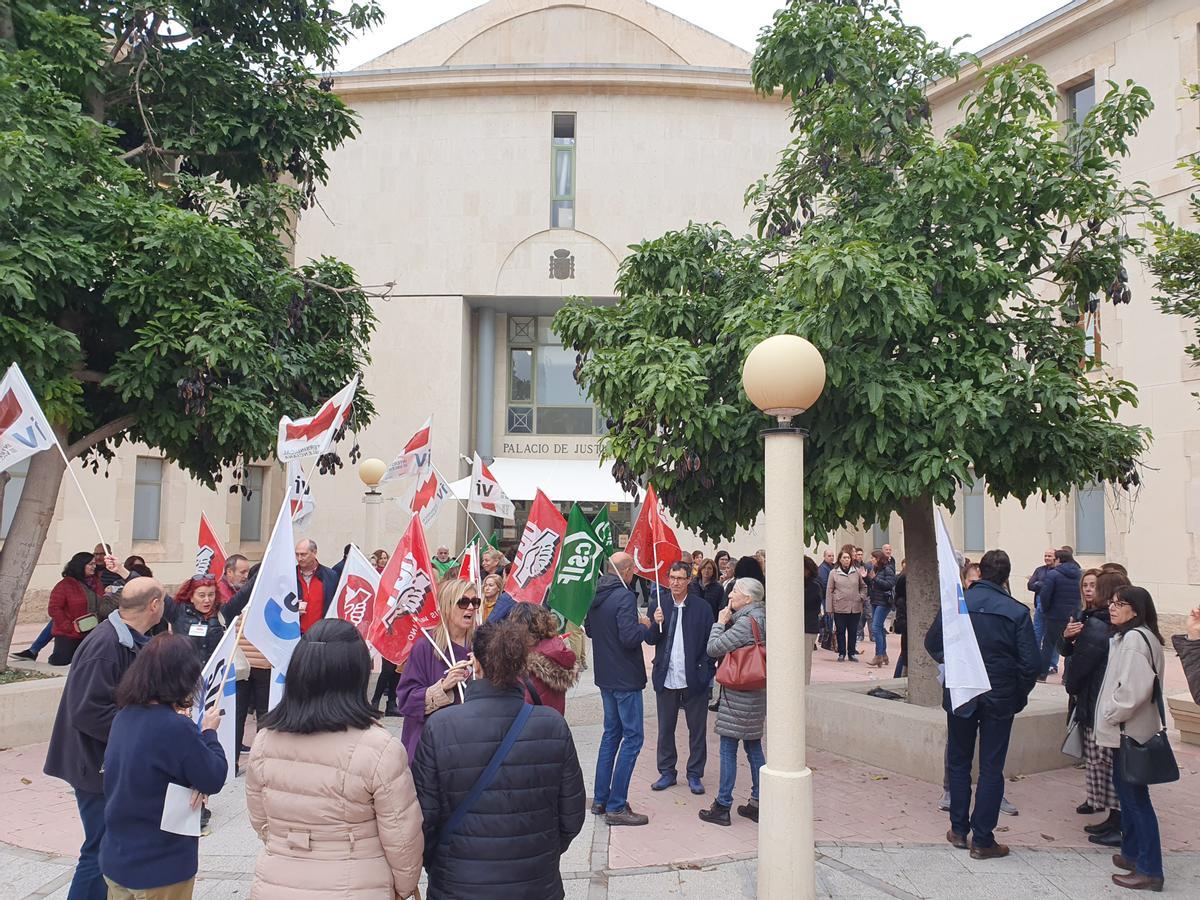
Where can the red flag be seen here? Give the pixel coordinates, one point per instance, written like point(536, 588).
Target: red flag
point(301, 438)
point(537, 554)
point(468, 570)
point(406, 600)
point(210, 556)
point(652, 538)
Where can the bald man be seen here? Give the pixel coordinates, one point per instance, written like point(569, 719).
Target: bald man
point(617, 632)
point(315, 584)
point(85, 714)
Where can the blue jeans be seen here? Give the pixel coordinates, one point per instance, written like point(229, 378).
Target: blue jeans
point(993, 736)
point(619, 747)
point(1039, 628)
point(42, 639)
point(754, 754)
point(1140, 842)
point(879, 616)
point(88, 883)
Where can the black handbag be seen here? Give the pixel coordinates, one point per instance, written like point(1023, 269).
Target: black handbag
point(1152, 762)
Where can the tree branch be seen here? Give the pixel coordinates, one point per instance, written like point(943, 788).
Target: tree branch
point(368, 289)
point(89, 375)
point(101, 434)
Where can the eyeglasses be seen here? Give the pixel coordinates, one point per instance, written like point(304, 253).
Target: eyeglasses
point(1117, 601)
point(469, 602)
point(206, 578)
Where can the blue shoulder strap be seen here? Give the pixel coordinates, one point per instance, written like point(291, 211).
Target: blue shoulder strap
point(486, 777)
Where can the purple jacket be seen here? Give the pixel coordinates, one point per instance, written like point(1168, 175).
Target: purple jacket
point(423, 669)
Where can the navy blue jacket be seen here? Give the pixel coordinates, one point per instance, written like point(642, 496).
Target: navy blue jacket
point(88, 704)
point(1059, 596)
point(151, 747)
point(612, 624)
point(1010, 652)
point(697, 625)
point(505, 604)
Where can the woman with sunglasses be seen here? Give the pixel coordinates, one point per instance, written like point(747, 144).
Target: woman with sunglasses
point(432, 676)
point(1127, 704)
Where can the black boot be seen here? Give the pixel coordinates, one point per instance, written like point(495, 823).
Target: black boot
point(1112, 823)
point(749, 811)
point(715, 814)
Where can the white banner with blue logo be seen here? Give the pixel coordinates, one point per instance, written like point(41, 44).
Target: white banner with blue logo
point(218, 689)
point(964, 672)
point(273, 613)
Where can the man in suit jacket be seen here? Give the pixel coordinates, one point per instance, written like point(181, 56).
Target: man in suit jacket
point(681, 675)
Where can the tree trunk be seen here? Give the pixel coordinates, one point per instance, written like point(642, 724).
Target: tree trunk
point(26, 535)
point(924, 598)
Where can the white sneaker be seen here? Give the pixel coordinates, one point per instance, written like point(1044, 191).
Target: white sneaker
point(1007, 808)
point(944, 806)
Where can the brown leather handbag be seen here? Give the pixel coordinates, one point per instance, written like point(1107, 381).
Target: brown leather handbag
point(745, 669)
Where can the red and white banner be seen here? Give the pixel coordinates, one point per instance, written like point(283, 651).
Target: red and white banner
point(210, 555)
point(300, 498)
point(305, 438)
point(487, 497)
point(537, 554)
point(653, 544)
point(354, 600)
point(431, 492)
point(468, 570)
point(406, 600)
point(24, 430)
point(416, 457)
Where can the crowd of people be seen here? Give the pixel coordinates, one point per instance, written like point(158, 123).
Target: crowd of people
point(344, 807)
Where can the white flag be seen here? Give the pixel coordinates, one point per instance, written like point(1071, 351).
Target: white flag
point(24, 430)
point(355, 595)
point(218, 683)
point(487, 497)
point(416, 457)
point(273, 613)
point(278, 685)
point(306, 438)
point(964, 674)
point(300, 498)
point(431, 492)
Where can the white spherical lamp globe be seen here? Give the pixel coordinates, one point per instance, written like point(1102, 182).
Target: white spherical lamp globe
point(784, 375)
point(370, 471)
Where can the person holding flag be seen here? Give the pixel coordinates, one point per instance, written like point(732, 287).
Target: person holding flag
point(151, 747)
point(438, 666)
point(985, 640)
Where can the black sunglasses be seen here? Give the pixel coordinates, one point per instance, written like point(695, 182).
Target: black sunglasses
point(468, 602)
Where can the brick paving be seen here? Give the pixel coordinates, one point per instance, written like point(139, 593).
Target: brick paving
point(879, 834)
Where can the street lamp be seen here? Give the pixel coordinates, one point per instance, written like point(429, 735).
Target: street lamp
point(783, 376)
point(370, 471)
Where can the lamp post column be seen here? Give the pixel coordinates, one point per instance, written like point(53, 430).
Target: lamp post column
point(785, 849)
point(372, 501)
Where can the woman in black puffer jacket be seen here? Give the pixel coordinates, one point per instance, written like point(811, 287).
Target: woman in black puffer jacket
point(522, 823)
point(1084, 646)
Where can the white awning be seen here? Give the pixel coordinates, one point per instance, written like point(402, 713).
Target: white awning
point(562, 480)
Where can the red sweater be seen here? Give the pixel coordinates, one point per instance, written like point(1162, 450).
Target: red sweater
point(68, 601)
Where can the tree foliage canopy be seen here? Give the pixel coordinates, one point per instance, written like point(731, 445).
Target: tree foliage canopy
point(942, 276)
point(152, 161)
point(1176, 264)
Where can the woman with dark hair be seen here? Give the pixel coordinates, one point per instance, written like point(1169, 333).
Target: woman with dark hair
point(814, 597)
point(74, 607)
point(749, 567)
point(881, 586)
point(844, 596)
point(379, 559)
point(154, 743)
point(707, 584)
point(328, 788)
point(137, 566)
point(552, 666)
point(513, 829)
point(1084, 646)
point(1130, 703)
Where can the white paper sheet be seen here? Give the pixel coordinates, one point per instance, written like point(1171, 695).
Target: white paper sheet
point(178, 816)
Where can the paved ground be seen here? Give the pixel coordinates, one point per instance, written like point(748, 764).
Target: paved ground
point(879, 833)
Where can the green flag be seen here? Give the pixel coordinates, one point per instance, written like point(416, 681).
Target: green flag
point(579, 563)
point(602, 528)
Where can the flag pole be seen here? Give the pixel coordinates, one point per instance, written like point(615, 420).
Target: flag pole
point(462, 696)
point(657, 586)
point(471, 520)
point(83, 496)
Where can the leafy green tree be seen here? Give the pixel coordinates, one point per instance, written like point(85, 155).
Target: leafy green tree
point(942, 276)
point(152, 162)
point(1176, 264)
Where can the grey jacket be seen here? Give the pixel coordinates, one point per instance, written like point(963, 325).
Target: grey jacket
point(1127, 693)
point(742, 713)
